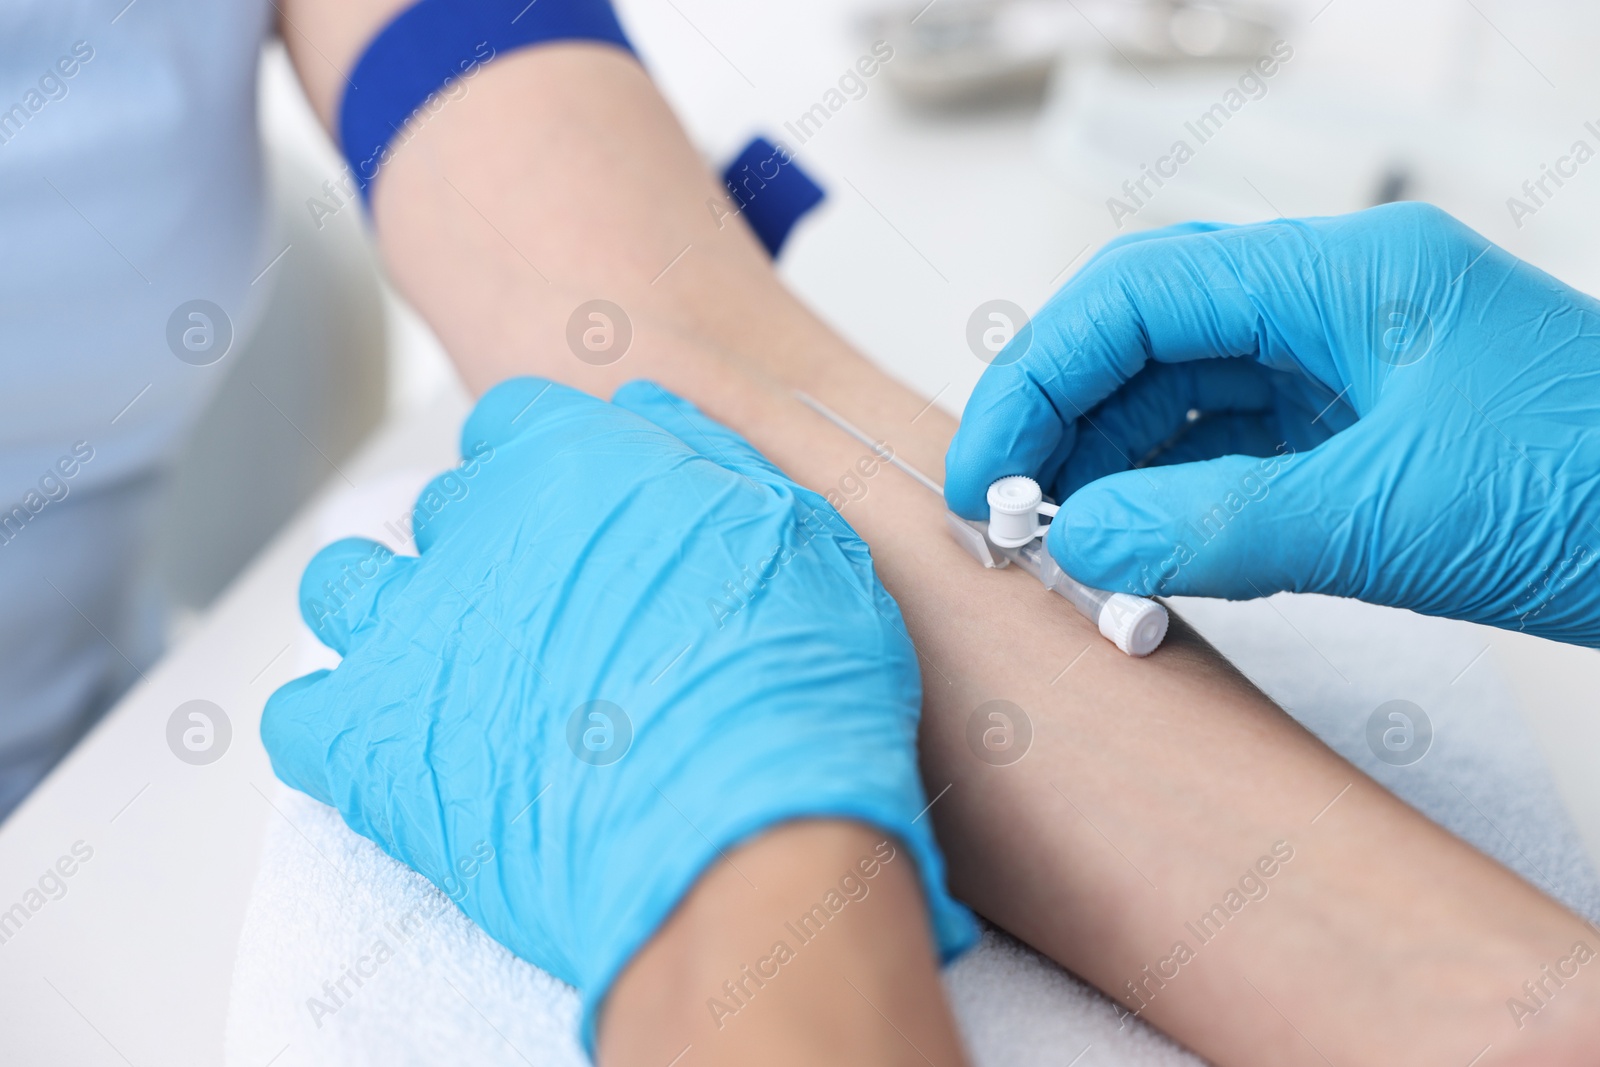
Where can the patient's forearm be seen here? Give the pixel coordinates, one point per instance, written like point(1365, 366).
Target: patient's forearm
point(1151, 788)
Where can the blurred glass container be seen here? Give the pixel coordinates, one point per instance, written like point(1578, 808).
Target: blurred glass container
point(968, 54)
point(1173, 31)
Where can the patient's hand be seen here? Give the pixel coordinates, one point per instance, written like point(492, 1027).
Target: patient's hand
point(623, 651)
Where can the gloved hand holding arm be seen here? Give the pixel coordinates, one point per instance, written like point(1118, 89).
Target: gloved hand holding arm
point(622, 653)
point(1389, 408)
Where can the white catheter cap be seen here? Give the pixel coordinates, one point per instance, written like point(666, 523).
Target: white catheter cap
point(1014, 511)
point(1133, 624)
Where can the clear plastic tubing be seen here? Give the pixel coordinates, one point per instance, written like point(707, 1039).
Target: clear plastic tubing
point(1033, 558)
point(1134, 624)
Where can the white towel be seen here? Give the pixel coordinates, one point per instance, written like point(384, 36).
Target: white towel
point(348, 958)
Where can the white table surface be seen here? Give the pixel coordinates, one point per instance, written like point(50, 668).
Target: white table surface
point(927, 219)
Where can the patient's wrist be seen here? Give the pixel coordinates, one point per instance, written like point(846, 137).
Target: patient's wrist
point(748, 969)
point(800, 352)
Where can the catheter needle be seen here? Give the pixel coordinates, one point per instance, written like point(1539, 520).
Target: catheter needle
point(854, 431)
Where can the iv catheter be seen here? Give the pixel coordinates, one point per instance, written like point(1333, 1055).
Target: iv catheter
point(1136, 625)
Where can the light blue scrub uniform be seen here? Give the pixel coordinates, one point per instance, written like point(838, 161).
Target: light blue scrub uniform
point(131, 183)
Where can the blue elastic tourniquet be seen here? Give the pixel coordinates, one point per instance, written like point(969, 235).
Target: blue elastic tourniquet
point(772, 191)
point(434, 42)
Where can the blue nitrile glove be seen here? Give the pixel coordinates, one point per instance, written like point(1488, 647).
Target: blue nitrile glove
point(1390, 408)
point(628, 644)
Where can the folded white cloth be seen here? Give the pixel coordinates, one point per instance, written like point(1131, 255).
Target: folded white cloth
point(348, 958)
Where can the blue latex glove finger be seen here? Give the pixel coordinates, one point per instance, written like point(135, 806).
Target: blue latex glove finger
point(295, 729)
point(619, 660)
point(340, 588)
point(502, 415)
point(506, 412)
point(1176, 229)
point(442, 507)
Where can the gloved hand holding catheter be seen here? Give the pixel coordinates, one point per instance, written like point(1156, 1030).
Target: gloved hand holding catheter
point(479, 707)
point(1382, 406)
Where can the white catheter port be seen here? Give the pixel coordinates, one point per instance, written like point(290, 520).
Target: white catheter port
point(1015, 504)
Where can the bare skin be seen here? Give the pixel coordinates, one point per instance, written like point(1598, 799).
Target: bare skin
point(864, 991)
point(1152, 787)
